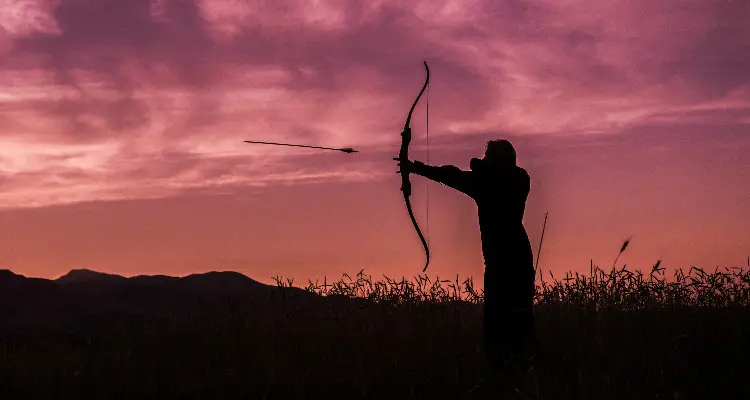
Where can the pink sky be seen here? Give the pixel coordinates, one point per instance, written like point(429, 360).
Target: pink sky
point(121, 129)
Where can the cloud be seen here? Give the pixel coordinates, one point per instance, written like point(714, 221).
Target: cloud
point(160, 93)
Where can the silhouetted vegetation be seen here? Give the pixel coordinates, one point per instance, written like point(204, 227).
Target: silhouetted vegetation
point(616, 334)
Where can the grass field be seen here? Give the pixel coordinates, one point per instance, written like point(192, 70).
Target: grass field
point(618, 334)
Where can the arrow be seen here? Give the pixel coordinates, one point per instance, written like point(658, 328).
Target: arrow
point(345, 149)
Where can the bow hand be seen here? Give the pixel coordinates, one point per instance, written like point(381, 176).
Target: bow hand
point(406, 166)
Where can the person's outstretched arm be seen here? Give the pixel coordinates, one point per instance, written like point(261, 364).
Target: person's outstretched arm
point(448, 175)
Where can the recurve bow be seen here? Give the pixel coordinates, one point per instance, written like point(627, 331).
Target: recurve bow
point(403, 155)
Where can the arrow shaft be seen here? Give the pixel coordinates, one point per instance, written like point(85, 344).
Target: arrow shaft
point(298, 145)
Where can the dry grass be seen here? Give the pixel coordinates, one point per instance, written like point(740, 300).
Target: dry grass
point(614, 334)
point(618, 288)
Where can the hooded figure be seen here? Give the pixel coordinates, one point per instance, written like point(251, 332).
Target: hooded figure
point(500, 189)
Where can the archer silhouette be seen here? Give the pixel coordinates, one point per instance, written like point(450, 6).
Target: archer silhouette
point(500, 189)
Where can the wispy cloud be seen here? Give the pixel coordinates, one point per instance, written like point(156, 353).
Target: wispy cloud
point(133, 99)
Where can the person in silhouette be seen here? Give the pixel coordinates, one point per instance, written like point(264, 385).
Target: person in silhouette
point(500, 189)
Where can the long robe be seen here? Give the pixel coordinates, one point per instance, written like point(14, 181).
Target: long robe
point(500, 194)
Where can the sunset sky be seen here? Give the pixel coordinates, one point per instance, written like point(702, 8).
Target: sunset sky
point(121, 129)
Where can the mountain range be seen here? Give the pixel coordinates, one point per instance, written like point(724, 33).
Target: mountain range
point(83, 295)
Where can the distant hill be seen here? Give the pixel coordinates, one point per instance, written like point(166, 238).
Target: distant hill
point(86, 276)
point(82, 295)
point(215, 282)
point(9, 279)
point(12, 284)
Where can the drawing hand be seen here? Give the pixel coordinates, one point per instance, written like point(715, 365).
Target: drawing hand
point(475, 164)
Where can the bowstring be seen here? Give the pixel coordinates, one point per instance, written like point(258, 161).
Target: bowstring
point(427, 186)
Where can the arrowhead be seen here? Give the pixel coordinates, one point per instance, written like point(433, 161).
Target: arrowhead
point(348, 150)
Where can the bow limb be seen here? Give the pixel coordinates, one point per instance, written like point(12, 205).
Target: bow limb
point(403, 155)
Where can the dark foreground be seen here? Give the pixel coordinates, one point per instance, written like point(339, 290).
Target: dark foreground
point(163, 340)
